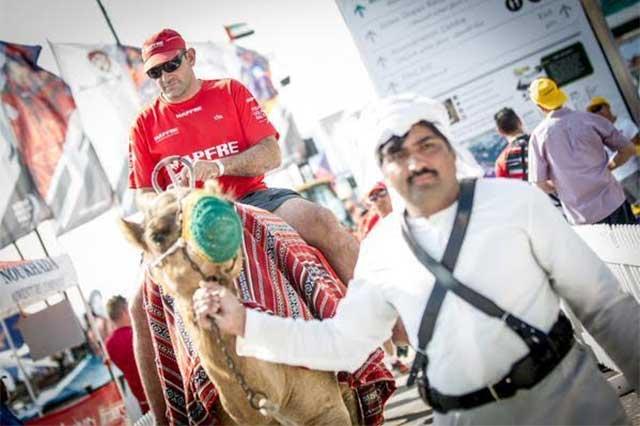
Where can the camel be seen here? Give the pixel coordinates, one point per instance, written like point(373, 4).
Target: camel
point(304, 397)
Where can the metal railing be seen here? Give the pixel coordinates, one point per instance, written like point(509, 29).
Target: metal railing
point(619, 247)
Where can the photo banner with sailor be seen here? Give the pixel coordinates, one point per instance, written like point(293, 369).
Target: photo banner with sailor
point(51, 140)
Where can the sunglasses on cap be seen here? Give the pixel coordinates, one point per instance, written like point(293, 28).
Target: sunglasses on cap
point(168, 67)
point(378, 195)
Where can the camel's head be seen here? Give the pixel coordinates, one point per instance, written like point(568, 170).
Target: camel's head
point(188, 237)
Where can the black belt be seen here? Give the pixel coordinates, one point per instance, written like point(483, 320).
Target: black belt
point(524, 374)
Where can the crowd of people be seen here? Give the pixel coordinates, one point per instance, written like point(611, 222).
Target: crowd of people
point(492, 344)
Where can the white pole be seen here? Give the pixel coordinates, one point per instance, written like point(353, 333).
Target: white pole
point(21, 367)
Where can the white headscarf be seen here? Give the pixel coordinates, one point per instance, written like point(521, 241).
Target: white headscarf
point(394, 116)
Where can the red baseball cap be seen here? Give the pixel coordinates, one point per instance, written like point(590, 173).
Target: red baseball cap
point(377, 187)
point(161, 47)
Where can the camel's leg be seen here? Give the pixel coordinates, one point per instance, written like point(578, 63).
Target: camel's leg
point(314, 398)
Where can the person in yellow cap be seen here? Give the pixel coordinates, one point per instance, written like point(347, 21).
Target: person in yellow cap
point(629, 173)
point(567, 157)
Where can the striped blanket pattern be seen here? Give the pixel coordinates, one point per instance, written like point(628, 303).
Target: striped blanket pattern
point(282, 275)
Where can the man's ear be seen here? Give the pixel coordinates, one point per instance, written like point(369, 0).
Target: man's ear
point(134, 232)
point(191, 56)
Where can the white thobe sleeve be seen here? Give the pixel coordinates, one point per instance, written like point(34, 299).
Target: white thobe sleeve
point(587, 285)
point(363, 321)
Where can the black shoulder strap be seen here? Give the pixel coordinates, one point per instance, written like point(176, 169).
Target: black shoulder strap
point(444, 276)
point(449, 259)
point(463, 215)
point(443, 273)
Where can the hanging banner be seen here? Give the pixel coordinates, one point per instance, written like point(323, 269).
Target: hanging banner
point(30, 281)
point(478, 56)
point(144, 85)
point(51, 140)
point(21, 208)
point(108, 93)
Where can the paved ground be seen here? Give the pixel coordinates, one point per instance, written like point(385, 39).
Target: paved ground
point(406, 407)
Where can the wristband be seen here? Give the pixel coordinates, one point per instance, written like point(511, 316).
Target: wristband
point(220, 166)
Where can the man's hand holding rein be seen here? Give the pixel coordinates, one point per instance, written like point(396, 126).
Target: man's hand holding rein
point(212, 301)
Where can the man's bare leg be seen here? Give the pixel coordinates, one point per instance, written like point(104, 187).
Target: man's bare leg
point(145, 358)
point(320, 228)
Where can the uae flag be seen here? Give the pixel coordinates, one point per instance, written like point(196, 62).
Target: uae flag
point(49, 138)
point(236, 31)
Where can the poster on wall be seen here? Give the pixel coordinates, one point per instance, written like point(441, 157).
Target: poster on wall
point(478, 56)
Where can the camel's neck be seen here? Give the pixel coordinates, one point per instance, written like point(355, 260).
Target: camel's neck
point(214, 361)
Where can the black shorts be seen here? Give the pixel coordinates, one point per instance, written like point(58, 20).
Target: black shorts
point(268, 199)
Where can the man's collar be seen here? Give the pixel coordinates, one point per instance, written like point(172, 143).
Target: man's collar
point(556, 113)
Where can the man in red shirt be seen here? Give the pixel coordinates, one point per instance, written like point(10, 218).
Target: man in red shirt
point(221, 129)
point(379, 204)
point(120, 347)
point(513, 160)
point(380, 200)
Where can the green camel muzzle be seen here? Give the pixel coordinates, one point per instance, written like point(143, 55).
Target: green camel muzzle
point(212, 227)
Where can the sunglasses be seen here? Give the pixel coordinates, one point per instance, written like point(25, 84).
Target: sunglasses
point(378, 195)
point(168, 67)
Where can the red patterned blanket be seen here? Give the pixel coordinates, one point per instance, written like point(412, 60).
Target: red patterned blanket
point(282, 275)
